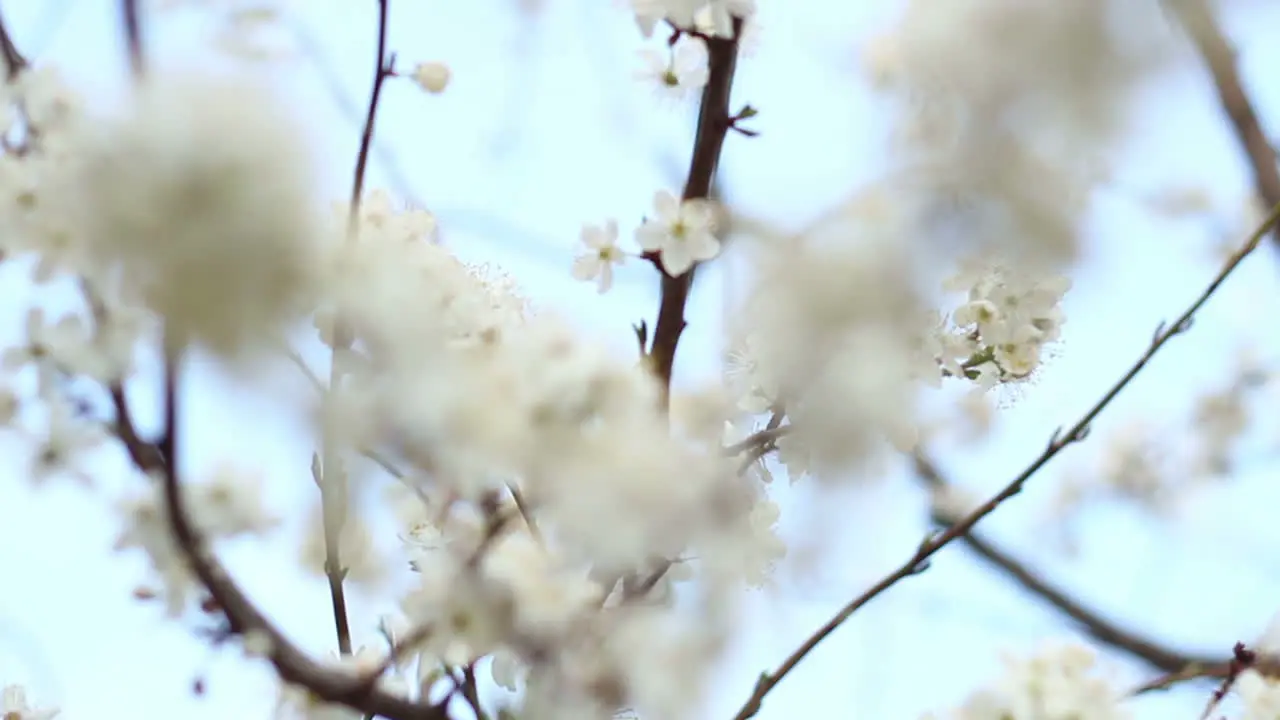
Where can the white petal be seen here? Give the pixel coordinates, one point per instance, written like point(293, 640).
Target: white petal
point(606, 278)
point(703, 246)
point(652, 236)
point(666, 205)
point(676, 259)
point(586, 267)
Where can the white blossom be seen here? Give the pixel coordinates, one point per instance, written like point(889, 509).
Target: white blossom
point(228, 503)
point(200, 193)
point(432, 77)
point(1062, 682)
point(683, 232)
point(601, 254)
point(677, 72)
point(15, 706)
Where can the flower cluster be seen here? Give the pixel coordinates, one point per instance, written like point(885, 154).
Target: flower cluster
point(1061, 683)
point(680, 234)
point(999, 334)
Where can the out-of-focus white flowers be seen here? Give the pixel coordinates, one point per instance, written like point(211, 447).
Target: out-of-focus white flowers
point(432, 77)
point(677, 72)
point(715, 16)
point(681, 231)
point(199, 192)
point(15, 706)
point(1007, 134)
point(601, 254)
point(1062, 682)
point(1259, 695)
point(229, 503)
point(364, 562)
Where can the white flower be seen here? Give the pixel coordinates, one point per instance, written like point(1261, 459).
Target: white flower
point(1260, 696)
point(432, 77)
point(1180, 201)
point(13, 706)
point(752, 385)
point(1009, 317)
point(678, 73)
point(602, 253)
point(228, 504)
point(357, 550)
point(1060, 682)
point(45, 97)
point(648, 14)
point(716, 17)
point(683, 231)
point(66, 437)
point(507, 670)
point(201, 195)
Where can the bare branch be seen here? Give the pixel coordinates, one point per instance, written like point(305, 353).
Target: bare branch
point(14, 62)
point(130, 15)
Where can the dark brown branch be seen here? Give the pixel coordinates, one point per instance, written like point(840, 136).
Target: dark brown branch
point(1105, 631)
point(1198, 21)
point(383, 69)
point(294, 666)
point(14, 62)
point(714, 124)
point(918, 562)
point(130, 14)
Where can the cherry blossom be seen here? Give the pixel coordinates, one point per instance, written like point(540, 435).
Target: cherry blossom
point(601, 254)
point(678, 72)
point(681, 232)
point(15, 706)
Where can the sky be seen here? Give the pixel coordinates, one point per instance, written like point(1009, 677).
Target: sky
point(543, 129)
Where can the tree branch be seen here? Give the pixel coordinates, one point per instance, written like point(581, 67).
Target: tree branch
point(918, 562)
point(14, 62)
point(294, 666)
point(1198, 21)
point(130, 14)
point(714, 124)
point(1094, 624)
point(383, 70)
point(333, 491)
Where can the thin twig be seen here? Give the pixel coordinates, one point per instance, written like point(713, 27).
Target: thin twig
point(14, 62)
point(918, 562)
point(130, 14)
point(764, 437)
point(1242, 659)
point(333, 491)
point(383, 70)
point(526, 512)
point(400, 650)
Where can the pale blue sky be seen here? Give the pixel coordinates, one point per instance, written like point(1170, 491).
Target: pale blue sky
point(544, 129)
